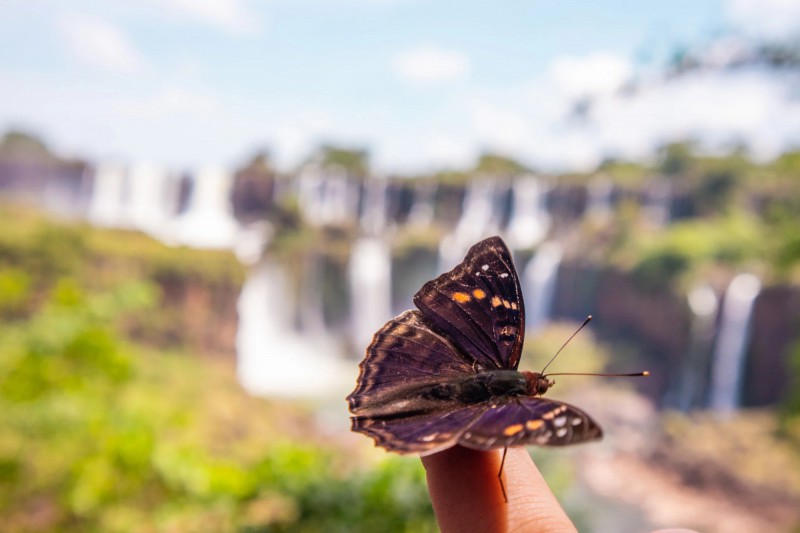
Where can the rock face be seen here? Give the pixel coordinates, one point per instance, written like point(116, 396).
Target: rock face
point(660, 323)
point(656, 320)
point(774, 332)
point(201, 317)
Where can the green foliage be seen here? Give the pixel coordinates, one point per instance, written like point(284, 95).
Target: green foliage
point(496, 164)
point(676, 159)
point(15, 289)
point(583, 353)
point(354, 161)
point(791, 404)
point(100, 434)
point(686, 249)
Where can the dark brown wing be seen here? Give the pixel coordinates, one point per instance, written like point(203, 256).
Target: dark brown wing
point(425, 433)
point(478, 305)
point(403, 353)
point(519, 420)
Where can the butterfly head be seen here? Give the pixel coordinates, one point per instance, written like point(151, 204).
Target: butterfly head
point(538, 383)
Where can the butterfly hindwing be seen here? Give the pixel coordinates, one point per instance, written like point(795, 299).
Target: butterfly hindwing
point(478, 305)
point(424, 434)
point(521, 420)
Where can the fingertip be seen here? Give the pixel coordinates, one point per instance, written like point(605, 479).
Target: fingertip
point(464, 490)
point(466, 494)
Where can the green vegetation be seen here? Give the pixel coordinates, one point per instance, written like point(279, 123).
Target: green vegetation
point(101, 432)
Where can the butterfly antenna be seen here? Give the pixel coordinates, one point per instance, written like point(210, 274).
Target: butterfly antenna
point(588, 319)
point(632, 375)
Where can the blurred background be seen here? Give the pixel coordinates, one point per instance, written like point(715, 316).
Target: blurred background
point(208, 207)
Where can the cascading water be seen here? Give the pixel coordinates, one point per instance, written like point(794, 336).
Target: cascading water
point(703, 303)
point(422, 210)
point(209, 221)
point(151, 200)
point(530, 220)
point(373, 218)
point(730, 350)
point(106, 202)
point(370, 288)
point(326, 196)
point(476, 222)
point(539, 285)
point(273, 357)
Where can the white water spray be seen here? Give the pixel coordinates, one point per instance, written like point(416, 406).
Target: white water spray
point(732, 342)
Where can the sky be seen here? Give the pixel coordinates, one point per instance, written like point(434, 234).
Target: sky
point(423, 85)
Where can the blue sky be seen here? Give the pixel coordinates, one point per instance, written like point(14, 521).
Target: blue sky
point(187, 83)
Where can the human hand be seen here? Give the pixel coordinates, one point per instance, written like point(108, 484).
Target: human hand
point(467, 497)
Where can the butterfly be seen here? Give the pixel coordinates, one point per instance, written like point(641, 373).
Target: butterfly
point(446, 373)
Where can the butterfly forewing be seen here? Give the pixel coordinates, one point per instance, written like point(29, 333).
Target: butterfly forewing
point(530, 420)
point(403, 353)
point(478, 305)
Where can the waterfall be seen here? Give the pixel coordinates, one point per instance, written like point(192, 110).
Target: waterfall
point(477, 221)
point(151, 200)
point(703, 303)
point(731, 346)
point(599, 199)
point(326, 196)
point(105, 205)
point(422, 210)
point(539, 285)
point(370, 288)
point(373, 217)
point(274, 358)
point(251, 240)
point(209, 221)
point(530, 220)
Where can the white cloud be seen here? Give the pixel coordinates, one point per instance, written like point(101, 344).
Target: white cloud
point(430, 64)
point(718, 109)
point(775, 19)
point(598, 73)
point(501, 128)
point(231, 15)
point(100, 43)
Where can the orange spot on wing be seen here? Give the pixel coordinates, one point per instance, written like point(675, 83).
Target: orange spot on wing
point(512, 430)
point(461, 297)
point(533, 425)
point(479, 294)
point(496, 302)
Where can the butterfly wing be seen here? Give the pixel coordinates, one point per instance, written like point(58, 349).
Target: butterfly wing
point(478, 305)
point(426, 433)
point(404, 353)
point(522, 420)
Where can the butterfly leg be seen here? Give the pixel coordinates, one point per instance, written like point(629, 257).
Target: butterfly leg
point(500, 474)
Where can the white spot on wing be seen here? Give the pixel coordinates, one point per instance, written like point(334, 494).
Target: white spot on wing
point(576, 421)
point(504, 275)
point(560, 432)
point(485, 268)
point(560, 421)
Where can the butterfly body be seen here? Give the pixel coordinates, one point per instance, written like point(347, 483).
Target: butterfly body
point(446, 374)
